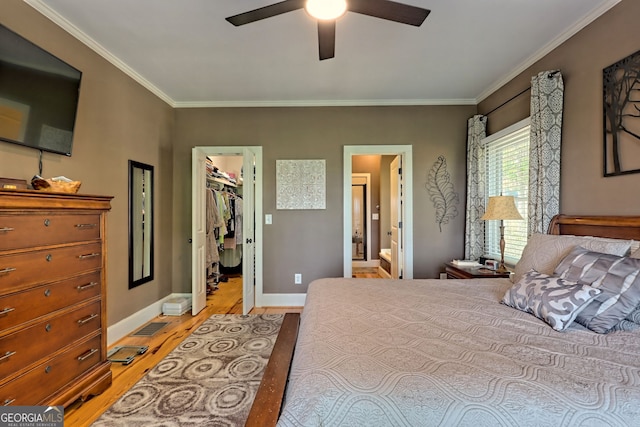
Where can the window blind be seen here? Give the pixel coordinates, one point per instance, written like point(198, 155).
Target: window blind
point(507, 163)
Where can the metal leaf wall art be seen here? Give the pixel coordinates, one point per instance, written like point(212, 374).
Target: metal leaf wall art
point(441, 191)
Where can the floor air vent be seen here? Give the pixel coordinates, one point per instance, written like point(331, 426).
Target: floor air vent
point(150, 329)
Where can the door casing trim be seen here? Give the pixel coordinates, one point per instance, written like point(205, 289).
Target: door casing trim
point(240, 151)
point(406, 151)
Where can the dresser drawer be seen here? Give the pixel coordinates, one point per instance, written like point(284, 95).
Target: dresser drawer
point(31, 344)
point(25, 231)
point(19, 271)
point(45, 379)
point(21, 307)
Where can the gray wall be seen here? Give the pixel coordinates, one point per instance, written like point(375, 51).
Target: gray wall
point(310, 242)
point(581, 59)
point(117, 120)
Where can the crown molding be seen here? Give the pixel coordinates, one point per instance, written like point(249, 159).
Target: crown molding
point(545, 50)
point(324, 103)
point(63, 23)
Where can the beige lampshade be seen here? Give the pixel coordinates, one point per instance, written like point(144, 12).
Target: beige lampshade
point(501, 207)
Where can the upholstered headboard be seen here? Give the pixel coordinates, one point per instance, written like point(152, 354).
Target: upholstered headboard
point(615, 227)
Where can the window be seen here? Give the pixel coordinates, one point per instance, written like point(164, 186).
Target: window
point(507, 173)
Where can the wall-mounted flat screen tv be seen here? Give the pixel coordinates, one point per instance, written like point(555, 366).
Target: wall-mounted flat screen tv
point(38, 96)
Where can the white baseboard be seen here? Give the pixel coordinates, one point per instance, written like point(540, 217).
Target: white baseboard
point(280, 300)
point(126, 326)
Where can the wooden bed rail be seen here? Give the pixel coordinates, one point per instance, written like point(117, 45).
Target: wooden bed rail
point(615, 227)
point(266, 406)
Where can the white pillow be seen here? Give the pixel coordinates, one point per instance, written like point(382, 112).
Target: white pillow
point(544, 252)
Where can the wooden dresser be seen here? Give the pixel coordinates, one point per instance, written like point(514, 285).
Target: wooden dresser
point(52, 297)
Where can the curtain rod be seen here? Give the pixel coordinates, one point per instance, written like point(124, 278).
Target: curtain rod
point(509, 100)
point(550, 75)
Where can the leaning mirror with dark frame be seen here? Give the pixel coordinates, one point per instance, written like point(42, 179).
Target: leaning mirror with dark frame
point(140, 223)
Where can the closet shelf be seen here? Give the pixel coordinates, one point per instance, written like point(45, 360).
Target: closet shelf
point(221, 181)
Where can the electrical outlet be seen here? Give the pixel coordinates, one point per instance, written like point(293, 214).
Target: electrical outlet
point(297, 279)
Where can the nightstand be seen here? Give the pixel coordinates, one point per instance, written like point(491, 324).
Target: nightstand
point(456, 272)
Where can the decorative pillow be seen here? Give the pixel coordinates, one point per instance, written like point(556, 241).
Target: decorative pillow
point(617, 277)
point(552, 299)
point(625, 325)
point(543, 252)
point(634, 316)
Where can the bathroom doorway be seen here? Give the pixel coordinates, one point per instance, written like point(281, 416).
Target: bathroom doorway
point(377, 231)
point(361, 218)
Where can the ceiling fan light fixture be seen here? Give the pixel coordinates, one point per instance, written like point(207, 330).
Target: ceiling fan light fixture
point(326, 9)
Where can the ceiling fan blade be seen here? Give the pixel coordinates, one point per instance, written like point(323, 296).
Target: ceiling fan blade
point(390, 10)
point(326, 39)
point(266, 12)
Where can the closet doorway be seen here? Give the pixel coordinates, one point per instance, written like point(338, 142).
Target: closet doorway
point(403, 209)
point(249, 247)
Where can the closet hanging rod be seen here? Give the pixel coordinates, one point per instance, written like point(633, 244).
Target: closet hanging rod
point(221, 181)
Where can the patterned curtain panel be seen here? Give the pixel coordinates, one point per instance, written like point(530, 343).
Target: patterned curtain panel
point(547, 93)
point(474, 229)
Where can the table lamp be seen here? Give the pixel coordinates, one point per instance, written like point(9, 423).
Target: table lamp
point(501, 207)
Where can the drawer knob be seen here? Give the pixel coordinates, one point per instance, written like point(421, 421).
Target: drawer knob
point(7, 355)
point(49, 258)
point(6, 229)
point(87, 286)
point(87, 319)
point(7, 270)
point(47, 327)
point(6, 310)
point(47, 369)
point(47, 222)
point(47, 292)
point(87, 355)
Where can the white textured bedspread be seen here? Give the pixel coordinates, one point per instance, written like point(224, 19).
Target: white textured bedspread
point(377, 352)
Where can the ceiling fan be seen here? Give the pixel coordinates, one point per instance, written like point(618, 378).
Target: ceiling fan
point(383, 9)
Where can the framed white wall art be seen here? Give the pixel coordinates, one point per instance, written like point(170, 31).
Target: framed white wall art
point(301, 184)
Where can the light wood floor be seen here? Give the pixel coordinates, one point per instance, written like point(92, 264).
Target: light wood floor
point(366, 272)
point(226, 300)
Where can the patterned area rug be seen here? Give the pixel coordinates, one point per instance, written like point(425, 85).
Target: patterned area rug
point(210, 379)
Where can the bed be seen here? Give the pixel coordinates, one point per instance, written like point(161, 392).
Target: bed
point(382, 352)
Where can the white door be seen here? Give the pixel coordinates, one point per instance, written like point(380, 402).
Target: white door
point(395, 177)
point(198, 231)
point(251, 228)
point(248, 231)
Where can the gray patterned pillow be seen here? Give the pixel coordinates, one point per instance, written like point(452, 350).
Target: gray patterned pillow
point(634, 316)
point(629, 323)
point(543, 252)
point(552, 299)
point(625, 325)
point(617, 277)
